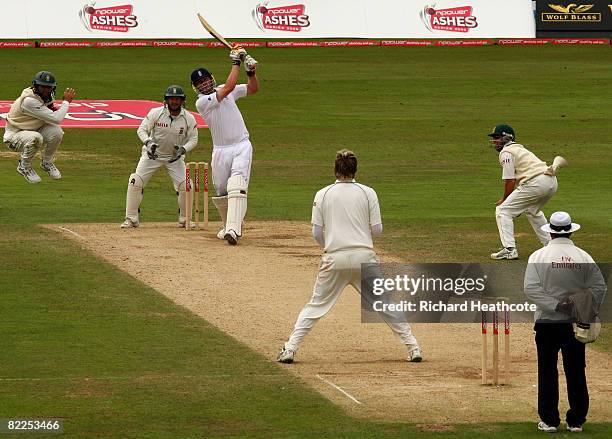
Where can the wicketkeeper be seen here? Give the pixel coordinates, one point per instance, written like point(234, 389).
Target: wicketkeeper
point(33, 123)
point(232, 149)
point(528, 185)
point(167, 134)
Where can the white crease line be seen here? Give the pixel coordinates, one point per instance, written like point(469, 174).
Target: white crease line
point(70, 231)
point(348, 395)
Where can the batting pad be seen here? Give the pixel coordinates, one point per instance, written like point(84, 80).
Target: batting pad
point(236, 203)
point(133, 197)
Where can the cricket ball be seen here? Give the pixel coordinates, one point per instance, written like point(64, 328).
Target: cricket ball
point(262, 9)
point(90, 10)
point(430, 11)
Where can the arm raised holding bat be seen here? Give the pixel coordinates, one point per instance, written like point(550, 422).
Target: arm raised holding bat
point(250, 65)
point(232, 149)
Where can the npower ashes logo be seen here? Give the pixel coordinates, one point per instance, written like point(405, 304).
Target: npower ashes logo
point(286, 18)
point(572, 13)
point(459, 19)
point(109, 18)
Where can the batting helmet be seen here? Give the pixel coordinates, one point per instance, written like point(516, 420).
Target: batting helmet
point(44, 78)
point(200, 73)
point(502, 135)
point(174, 91)
point(198, 76)
point(502, 130)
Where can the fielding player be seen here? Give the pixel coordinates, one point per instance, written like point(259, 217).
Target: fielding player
point(555, 280)
point(528, 185)
point(344, 217)
point(232, 150)
point(168, 133)
point(33, 122)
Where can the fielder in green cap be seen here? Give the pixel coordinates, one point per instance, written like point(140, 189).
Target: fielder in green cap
point(528, 185)
point(33, 124)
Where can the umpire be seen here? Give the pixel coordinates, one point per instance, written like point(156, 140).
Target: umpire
point(554, 274)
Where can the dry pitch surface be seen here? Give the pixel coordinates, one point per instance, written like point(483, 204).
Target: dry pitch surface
point(254, 292)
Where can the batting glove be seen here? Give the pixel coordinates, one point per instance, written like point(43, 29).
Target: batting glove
point(178, 153)
point(151, 147)
point(250, 64)
point(238, 55)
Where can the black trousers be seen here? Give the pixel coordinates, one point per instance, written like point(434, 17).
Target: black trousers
point(550, 338)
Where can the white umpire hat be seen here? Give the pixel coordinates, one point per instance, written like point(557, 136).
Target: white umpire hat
point(560, 224)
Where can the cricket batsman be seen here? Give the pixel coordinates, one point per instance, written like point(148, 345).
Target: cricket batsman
point(33, 123)
point(528, 185)
point(167, 134)
point(232, 150)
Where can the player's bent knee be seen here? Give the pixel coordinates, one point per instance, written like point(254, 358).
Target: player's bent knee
point(55, 133)
point(532, 214)
point(502, 211)
point(37, 140)
point(237, 187)
point(135, 182)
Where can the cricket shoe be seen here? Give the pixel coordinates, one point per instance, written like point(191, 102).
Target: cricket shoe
point(231, 237)
point(181, 225)
point(129, 224)
point(221, 233)
point(505, 253)
point(285, 355)
point(51, 169)
point(543, 426)
point(415, 356)
point(574, 429)
point(29, 173)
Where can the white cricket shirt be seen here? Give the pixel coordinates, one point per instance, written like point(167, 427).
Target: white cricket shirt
point(224, 118)
point(346, 211)
point(506, 160)
point(168, 131)
point(525, 163)
point(555, 272)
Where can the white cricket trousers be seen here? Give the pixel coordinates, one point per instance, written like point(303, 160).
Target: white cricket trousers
point(528, 198)
point(29, 142)
point(147, 167)
point(336, 271)
point(228, 161)
point(145, 170)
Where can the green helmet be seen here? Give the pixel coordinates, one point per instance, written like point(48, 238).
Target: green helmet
point(174, 91)
point(502, 130)
point(501, 136)
point(44, 78)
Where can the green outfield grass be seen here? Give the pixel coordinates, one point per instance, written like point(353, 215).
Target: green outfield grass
point(417, 119)
point(113, 358)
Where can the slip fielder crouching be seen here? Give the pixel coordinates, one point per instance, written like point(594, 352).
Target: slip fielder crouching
point(33, 123)
point(528, 185)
